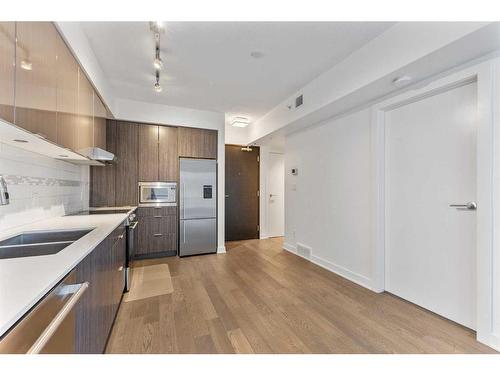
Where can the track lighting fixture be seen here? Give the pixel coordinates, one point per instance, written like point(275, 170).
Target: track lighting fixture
point(157, 28)
point(157, 85)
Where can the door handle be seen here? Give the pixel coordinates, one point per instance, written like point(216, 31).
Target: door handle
point(470, 206)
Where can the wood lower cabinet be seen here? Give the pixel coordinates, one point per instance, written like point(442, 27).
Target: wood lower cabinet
point(103, 269)
point(36, 78)
point(7, 69)
point(197, 143)
point(157, 231)
point(126, 165)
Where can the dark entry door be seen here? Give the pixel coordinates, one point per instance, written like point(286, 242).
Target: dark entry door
point(242, 187)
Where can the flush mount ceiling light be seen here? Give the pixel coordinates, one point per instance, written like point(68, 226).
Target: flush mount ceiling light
point(26, 65)
point(401, 81)
point(256, 54)
point(240, 122)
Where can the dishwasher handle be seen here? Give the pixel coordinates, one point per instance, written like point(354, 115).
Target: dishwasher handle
point(58, 319)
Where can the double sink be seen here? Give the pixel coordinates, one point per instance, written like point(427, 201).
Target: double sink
point(28, 244)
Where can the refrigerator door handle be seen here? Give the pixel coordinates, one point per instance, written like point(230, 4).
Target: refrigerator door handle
point(183, 196)
point(183, 231)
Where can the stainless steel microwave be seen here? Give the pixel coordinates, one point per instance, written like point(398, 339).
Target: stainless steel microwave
point(157, 194)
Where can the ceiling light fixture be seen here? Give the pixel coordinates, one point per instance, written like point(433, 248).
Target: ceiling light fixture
point(157, 28)
point(240, 122)
point(157, 85)
point(401, 81)
point(26, 65)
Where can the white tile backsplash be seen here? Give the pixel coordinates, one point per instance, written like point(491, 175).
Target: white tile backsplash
point(40, 187)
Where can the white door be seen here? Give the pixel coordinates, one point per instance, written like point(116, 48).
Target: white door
point(275, 195)
point(430, 256)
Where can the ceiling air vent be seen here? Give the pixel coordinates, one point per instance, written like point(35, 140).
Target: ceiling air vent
point(299, 100)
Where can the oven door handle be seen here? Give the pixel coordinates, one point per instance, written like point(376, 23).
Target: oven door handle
point(59, 318)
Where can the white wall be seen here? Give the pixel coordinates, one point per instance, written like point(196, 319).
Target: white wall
point(420, 49)
point(327, 205)
point(236, 136)
point(40, 187)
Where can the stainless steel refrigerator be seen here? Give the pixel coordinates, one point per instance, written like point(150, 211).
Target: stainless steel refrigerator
point(198, 207)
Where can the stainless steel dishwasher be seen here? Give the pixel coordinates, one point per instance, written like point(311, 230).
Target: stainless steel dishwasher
point(50, 326)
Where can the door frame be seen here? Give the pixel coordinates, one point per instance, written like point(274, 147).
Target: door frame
point(268, 235)
point(483, 75)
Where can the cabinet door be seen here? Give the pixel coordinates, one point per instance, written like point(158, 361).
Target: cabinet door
point(7, 69)
point(67, 96)
point(197, 143)
point(102, 179)
point(85, 112)
point(36, 78)
point(118, 271)
point(99, 123)
point(126, 164)
point(93, 315)
point(148, 152)
point(168, 160)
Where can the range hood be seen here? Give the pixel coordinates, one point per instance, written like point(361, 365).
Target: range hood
point(98, 154)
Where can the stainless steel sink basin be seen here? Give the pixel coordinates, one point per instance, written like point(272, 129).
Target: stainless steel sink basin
point(27, 238)
point(30, 244)
point(33, 250)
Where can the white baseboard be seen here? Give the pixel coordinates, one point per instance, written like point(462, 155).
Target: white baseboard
point(332, 267)
point(221, 250)
point(492, 340)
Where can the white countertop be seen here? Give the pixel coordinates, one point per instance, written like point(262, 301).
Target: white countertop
point(24, 281)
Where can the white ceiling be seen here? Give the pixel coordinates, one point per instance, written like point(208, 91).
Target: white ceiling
point(208, 64)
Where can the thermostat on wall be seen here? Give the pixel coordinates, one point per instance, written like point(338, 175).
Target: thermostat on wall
point(295, 171)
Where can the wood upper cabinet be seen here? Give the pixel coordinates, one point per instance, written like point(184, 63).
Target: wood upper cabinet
point(157, 153)
point(7, 69)
point(67, 96)
point(85, 119)
point(99, 133)
point(126, 164)
point(168, 160)
point(102, 179)
point(36, 78)
point(197, 143)
point(148, 152)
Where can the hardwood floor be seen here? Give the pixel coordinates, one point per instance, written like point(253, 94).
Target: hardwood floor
point(258, 298)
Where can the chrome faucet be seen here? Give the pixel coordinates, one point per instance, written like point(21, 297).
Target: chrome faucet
point(4, 193)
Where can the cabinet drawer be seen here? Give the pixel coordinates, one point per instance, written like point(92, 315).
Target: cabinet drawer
point(157, 211)
point(157, 234)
